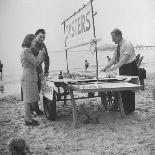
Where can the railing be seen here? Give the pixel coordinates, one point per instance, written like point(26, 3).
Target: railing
point(144, 47)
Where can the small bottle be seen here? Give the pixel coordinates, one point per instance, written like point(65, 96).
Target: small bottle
point(60, 75)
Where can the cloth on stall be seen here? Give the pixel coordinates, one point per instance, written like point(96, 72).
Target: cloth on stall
point(48, 89)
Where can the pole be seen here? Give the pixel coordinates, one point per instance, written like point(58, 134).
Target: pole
point(76, 12)
point(94, 37)
point(66, 51)
point(82, 44)
point(67, 61)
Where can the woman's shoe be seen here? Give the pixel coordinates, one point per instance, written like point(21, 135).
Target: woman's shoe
point(33, 114)
point(32, 122)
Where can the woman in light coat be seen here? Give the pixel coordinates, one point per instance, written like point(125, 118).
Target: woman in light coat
point(29, 76)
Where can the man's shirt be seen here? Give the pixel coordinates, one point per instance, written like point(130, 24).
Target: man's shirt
point(126, 48)
point(35, 51)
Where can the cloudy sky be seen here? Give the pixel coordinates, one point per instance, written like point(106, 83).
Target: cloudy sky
point(136, 19)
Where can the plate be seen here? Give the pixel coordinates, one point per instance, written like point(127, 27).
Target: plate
point(108, 79)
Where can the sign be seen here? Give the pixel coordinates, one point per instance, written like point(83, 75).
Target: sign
point(79, 27)
point(48, 89)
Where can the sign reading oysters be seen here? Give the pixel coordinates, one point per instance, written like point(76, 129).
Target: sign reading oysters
point(79, 27)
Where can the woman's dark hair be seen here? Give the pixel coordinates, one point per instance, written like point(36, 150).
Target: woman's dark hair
point(27, 40)
point(40, 31)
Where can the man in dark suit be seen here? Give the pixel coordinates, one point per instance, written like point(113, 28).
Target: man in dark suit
point(40, 37)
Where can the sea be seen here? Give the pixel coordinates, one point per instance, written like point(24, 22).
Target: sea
point(10, 82)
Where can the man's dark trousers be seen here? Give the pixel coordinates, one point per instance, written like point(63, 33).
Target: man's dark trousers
point(128, 97)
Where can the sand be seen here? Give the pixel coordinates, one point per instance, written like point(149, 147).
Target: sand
point(110, 135)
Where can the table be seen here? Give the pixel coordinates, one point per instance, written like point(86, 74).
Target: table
point(87, 86)
point(101, 87)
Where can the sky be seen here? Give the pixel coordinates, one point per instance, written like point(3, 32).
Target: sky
point(136, 19)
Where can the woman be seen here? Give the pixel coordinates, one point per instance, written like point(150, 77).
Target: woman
point(29, 76)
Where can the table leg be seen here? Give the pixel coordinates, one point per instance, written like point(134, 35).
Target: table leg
point(65, 96)
point(103, 100)
point(121, 104)
point(74, 109)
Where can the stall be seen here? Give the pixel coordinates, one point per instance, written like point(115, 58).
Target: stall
point(79, 29)
point(91, 87)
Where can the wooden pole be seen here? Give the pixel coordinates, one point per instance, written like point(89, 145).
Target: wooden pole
point(82, 44)
point(76, 12)
point(74, 109)
point(66, 51)
point(94, 37)
point(67, 61)
point(120, 102)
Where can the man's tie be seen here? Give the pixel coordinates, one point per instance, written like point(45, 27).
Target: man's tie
point(118, 52)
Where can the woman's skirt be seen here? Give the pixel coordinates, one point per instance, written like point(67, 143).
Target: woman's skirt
point(30, 91)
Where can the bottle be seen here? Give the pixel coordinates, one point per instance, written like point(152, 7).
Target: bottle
point(60, 75)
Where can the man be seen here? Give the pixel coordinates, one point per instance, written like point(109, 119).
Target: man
point(123, 58)
point(1, 68)
point(108, 58)
point(40, 37)
point(86, 64)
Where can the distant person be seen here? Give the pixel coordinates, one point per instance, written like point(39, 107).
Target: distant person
point(86, 64)
point(40, 37)
point(1, 68)
point(29, 77)
point(153, 93)
point(108, 58)
point(1, 88)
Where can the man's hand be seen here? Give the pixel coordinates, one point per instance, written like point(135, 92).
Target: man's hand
point(41, 76)
point(104, 69)
point(43, 51)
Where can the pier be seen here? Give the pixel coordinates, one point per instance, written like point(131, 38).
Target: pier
point(141, 47)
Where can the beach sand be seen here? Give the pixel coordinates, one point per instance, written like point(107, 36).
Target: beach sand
point(110, 135)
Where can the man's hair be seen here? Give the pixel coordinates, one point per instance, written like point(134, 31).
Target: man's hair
point(27, 40)
point(40, 31)
point(117, 32)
